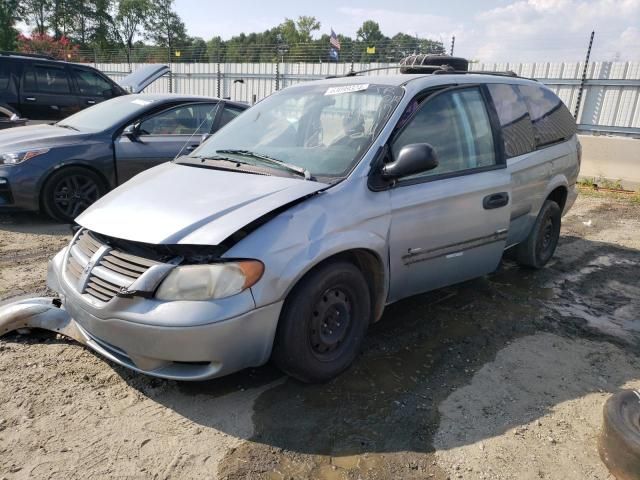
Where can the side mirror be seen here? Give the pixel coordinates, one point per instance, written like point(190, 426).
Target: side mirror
point(412, 159)
point(131, 132)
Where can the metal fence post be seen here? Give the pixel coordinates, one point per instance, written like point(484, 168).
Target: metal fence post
point(219, 79)
point(584, 77)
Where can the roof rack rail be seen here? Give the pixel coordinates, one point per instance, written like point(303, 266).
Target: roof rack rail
point(22, 54)
point(433, 70)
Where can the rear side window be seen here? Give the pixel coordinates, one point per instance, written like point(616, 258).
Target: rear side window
point(46, 79)
point(228, 114)
point(91, 84)
point(515, 122)
point(552, 121)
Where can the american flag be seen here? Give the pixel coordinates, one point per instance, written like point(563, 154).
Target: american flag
point(333, 40)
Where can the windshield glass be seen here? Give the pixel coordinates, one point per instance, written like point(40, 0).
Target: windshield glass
point(323, 129)
point(107, 114)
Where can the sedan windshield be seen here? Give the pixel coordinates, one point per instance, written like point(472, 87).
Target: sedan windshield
point(321, 129)
point(107, 114)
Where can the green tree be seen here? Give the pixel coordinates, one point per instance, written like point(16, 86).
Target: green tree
point(164, 27)
point(102, 34)
point(129, 21)
point(10, 14)
point(306, 26)
point(37, 13)
point(369, 33)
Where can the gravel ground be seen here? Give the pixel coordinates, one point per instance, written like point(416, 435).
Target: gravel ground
point(502, 377)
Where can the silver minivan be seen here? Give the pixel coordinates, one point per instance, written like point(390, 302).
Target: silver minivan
point(287, 233)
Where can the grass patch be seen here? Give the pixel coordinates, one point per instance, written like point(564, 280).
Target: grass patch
point(592, 191)
point(600, 182)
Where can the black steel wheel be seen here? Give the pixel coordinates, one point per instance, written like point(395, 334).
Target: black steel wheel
point(70, 191)
point(323, 323)
point(331, 323)
point(538, 248)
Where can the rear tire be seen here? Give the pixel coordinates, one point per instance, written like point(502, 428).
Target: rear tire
point(538, 248)
point(70, 191)
point(323, 323)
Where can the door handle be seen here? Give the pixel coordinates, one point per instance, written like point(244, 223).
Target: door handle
point(495, 200)
point(191, 148)
point(30, 99)
point(91, 102)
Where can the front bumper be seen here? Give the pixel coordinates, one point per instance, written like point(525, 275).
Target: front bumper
point(160, 343)
point(222, 348)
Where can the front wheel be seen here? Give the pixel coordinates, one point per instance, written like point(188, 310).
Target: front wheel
point(70, 191)
point(323, 323)
point(538, 248)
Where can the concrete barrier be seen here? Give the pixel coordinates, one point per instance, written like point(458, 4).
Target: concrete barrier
point(611, 158)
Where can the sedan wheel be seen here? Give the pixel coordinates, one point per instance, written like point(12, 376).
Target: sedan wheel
point(71, 191)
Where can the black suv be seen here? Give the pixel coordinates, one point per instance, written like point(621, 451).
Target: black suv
point(38, 87)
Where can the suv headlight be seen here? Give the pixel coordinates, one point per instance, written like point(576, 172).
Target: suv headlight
point(11, 158)
point(208, 282)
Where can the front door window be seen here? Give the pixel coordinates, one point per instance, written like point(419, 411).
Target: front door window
point(457, 126)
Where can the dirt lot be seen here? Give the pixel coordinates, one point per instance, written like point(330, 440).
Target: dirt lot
point(502, 377)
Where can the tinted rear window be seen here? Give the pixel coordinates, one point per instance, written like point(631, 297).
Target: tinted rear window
point(517, 130)
point(46, 79)
point(552, 121)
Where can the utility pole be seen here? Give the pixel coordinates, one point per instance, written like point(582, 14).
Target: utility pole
point(453, 44)
point(584, 77)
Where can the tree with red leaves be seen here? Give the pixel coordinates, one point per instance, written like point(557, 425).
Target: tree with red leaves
point(44, 44)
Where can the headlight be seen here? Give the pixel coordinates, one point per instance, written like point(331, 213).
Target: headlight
point(206, 282)
point(11, 158)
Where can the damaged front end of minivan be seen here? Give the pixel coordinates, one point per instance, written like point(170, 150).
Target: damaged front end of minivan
point(170, 305)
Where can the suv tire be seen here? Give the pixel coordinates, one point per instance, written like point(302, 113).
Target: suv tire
point(538, 248)
point(69, 191)
point(323, 323)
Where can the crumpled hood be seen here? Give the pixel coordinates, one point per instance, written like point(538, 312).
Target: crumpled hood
point(181, 204)
point(37, 136)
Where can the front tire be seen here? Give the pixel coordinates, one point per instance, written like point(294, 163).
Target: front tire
point(540, 245)
point(70, 191)
point(323, 323)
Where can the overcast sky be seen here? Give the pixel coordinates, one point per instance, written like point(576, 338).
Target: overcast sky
point(487, 30)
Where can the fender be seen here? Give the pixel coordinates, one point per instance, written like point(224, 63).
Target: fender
point(298, 239)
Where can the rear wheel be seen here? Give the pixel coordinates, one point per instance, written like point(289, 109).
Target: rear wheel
point(323, 323)
point(70, 191)
point(540, 245)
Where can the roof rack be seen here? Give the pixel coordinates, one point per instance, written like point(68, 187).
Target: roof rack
point(30, 55)
point(432, 70)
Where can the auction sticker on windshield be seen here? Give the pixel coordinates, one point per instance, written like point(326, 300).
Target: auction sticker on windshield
point(346, 89)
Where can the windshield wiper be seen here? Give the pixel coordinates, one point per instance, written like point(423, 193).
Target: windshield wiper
point(273, 161)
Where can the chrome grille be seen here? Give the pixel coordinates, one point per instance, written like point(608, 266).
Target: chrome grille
point(99, 271)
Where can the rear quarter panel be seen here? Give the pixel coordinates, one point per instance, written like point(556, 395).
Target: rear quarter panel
point(533, 177)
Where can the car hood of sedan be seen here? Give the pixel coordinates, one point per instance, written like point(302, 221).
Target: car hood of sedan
point(181, 204)
point(36, 136)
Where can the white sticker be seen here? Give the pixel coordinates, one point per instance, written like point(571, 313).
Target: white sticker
point(139, 101)
point(346, 89)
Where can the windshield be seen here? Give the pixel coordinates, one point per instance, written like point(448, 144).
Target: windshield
point(323, 129)
point(107, 114)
